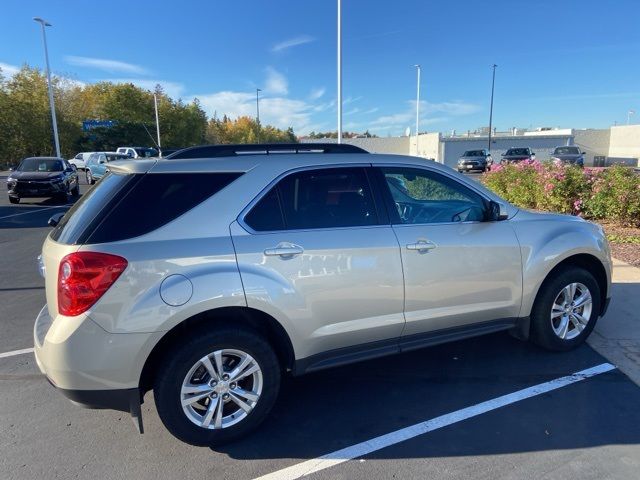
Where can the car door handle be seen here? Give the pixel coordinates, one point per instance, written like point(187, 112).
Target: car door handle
point(421, 246)
point(284, 251)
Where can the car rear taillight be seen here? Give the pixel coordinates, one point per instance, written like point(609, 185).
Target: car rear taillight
point(83, 277)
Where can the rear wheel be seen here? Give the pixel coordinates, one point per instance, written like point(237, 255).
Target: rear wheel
point(566, 310)
point(218, 386)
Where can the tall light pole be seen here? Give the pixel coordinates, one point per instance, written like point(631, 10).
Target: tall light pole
point(258, 90)
point(155, 104)
point(629, 113)
point(339, 71)
point(493, 84)
point(417, 109)
point(54, 123)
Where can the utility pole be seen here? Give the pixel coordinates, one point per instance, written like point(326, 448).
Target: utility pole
point(339, 71)
point(258, 90)
point(155, 104)
point(417, 110)
point(43, 23)
point(493, 83)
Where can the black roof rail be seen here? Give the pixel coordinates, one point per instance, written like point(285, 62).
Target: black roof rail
point(212, 151)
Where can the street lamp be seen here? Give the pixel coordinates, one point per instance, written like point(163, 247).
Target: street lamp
point(44, 24)
point(417, 109)
point(493, 84)
point(258, 90)
point(339, 71)
point(629, 113)
point(155, 105)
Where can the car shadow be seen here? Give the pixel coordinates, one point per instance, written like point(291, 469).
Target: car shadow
point(32, 213)
point(330, 410)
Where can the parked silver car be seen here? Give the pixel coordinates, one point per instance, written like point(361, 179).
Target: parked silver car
point(207, 276)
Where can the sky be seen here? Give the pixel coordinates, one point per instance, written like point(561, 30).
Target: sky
point(561, 63)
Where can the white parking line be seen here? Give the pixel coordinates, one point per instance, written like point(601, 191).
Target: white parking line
point(16, 352)
point(340, 456)
point(34, 211)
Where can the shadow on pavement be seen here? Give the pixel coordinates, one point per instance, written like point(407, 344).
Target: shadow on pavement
point(326, 411)
point(31, 215)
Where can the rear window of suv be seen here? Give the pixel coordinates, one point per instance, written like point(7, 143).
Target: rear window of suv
point(120, 207)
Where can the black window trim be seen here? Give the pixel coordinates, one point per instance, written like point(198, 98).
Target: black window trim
point(390, 204)
point(381, 211)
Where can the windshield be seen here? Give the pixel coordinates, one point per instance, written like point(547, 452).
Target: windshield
point(473, 153)
point(41, 165)
point(146, 152)
point(518, 151)
point(567, 151)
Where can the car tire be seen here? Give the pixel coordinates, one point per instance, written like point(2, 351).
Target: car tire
point(556, 323)
point(76, 190)
point(90, 180)
point(177, 373)
point(14, 200)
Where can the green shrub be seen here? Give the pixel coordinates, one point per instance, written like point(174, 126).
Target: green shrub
point(612, 193)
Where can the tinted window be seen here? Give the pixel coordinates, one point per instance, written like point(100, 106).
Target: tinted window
point(474, 153)
point(420, 196)
point(327, 198)
point(155, 200)
point(518, 151)
point(41, 165)
point(266, 215)
point(567, 151)
point(85, 212)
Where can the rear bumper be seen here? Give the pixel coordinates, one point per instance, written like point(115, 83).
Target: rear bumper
point(77, 355)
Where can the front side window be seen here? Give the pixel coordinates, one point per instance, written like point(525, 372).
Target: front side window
point(421, 196)
point(323, 198)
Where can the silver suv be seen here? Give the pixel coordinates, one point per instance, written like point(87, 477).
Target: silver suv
point(207, 276)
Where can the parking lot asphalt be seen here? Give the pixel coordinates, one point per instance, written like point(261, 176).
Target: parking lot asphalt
point(588, 429)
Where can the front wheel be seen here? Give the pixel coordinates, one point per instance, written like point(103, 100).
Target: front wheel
point(14, 200)
point(217, 386)
point(90, 180)
point(566, 310)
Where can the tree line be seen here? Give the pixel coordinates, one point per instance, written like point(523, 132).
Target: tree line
point(25, 119)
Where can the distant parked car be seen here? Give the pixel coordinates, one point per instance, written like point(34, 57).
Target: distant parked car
point(97, 164)
point(138, 152)
point(80, 160)
point(515, 155)
point(570, 155)
point(475, 160)
point(43, 177)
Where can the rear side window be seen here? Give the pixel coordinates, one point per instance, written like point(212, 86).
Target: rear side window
point(156, 200)
point(322, 198)
point(85, 214)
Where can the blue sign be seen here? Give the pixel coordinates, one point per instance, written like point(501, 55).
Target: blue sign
point(91, 124)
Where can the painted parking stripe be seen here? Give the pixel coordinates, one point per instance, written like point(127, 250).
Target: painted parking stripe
point(34, 211)
point(16, 352)
point(364, 448)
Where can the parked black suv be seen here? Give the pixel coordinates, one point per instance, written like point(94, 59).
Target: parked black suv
point(475, 160)
point(515, 155)
point(43, 177)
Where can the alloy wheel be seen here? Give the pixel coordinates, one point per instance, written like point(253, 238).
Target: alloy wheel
point(571, 311)
point(221, 389)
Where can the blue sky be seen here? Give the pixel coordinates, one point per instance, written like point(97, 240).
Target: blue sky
point(569, 63)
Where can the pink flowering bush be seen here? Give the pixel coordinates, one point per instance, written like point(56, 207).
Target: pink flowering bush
point(612, 193)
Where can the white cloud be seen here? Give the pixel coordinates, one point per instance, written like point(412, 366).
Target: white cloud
point(316, 93)
point(173, 89)
point(8, 70)
point(292, 42)
point(278, 111)
point(275, 83)
point(427, 109)
point(111, 66)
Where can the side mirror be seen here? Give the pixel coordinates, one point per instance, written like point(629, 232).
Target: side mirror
point(497, 211)
point(583, 153)
point(533, 154)
point(55, 219)
point(74, 168)
point(101, 162)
